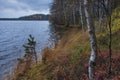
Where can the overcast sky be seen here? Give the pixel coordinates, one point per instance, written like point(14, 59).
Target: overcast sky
point(17, 8)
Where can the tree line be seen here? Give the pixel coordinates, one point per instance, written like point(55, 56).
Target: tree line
point(71, 12)
point(86, 13)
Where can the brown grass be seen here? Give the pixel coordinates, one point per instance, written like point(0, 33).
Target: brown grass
point(71, 44)
point(69, 60)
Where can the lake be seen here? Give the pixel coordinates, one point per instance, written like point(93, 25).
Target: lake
point(14, 34)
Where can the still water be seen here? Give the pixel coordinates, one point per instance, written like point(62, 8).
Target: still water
point(14, 34)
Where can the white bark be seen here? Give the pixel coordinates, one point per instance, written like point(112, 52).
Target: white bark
point(90, 25)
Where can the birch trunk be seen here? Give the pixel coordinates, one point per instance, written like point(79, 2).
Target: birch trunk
point(91, 30)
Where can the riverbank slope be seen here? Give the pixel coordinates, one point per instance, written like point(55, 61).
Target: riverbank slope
point(69, 59)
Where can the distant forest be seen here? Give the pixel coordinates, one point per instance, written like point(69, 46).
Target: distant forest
point(30, 17)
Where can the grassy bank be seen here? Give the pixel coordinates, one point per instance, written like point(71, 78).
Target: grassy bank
point(67, 52)
point(69, 59)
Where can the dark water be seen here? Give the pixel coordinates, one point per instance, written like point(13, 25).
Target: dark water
point(13, 34)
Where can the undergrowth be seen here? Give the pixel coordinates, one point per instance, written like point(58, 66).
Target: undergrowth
point(69, 59)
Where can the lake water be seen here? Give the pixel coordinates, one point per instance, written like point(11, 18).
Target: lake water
point(14, 34)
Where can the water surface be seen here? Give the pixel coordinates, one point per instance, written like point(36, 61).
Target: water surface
point(13, 34)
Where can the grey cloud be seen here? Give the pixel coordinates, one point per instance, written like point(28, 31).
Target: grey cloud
point(15, 8)
point(37, 4)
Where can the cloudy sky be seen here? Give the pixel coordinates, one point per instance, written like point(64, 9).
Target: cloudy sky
point(17, 8)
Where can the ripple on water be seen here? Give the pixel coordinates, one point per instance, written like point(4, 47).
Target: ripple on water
point(13, 34)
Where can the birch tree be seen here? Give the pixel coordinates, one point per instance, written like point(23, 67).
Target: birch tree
point(92, 36)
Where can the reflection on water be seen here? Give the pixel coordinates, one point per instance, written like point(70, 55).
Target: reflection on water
point(13, 34)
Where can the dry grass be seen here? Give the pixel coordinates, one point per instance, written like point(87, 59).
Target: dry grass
point(73, 42)
point(69, 60)
point(66, 55)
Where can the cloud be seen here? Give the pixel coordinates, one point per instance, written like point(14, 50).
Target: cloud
point(13, 4)
point(38, 4)
point(8, 13)
point(17, 8)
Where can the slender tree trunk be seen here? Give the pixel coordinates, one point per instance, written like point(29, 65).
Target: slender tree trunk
point(91, 29)
point(107, 4)
point(110, 37)
point(81, 15)
point(74, 20)
point(108, 14)
point(110, 51)
point(65, 16)
point(64, 12)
